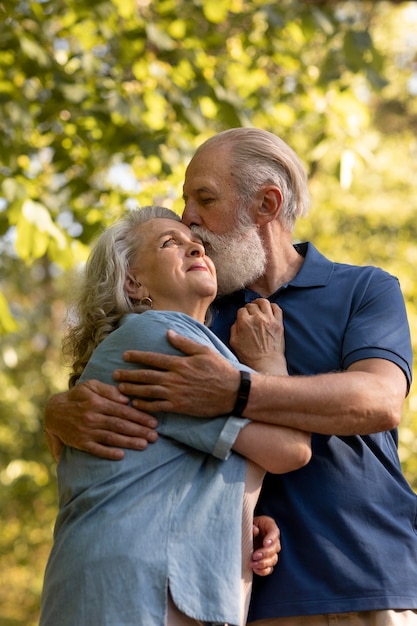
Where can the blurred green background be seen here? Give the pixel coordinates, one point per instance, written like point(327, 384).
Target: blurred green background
point(101, 107)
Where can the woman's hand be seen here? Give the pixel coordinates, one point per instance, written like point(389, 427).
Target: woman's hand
point(257, 337)
point(266, 544)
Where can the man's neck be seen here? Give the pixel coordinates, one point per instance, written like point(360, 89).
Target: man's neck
point(282, 266)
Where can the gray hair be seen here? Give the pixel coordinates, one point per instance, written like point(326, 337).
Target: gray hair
point(102, 299)
point(259, 157)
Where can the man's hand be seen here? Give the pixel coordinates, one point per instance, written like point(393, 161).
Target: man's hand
point(267, 545)
point(55, 445)
point(257, 337)
point(96, 418)
point(202, 383)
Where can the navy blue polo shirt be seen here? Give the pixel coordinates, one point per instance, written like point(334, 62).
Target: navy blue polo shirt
point(347, 519)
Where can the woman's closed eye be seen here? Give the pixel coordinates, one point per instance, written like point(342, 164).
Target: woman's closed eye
point(176, 241)
point(172, 241)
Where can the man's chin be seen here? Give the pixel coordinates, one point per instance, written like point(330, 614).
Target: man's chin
point(239, 258)
point(230, 284)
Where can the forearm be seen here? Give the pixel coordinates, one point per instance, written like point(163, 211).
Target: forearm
point(365, 399)
point(276, 449)
point(345, 403)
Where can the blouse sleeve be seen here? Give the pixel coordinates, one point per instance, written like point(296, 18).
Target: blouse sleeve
point(214, 436)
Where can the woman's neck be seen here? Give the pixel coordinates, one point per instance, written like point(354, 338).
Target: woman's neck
point(197, 311)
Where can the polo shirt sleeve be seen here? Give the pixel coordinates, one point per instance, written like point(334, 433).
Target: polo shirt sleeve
point(378, 325)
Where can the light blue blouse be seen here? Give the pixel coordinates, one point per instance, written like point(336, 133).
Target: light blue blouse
point(169, 515)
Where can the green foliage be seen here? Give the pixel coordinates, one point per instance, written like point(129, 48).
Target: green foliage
point(84, 86)
point(7, 322)
point(101, 106)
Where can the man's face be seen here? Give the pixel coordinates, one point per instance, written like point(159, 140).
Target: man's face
point(210, 196)
point(212, 211)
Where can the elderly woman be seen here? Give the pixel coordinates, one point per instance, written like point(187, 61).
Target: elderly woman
point(157, 538)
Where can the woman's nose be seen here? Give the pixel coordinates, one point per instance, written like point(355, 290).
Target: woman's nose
point(196, 249)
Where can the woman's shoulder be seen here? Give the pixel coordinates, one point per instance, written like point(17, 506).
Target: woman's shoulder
point(152, 326)
point(158, 319)
point(148, 330)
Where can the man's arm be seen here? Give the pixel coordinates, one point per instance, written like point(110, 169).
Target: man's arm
point(366, 398)
point(96, 418)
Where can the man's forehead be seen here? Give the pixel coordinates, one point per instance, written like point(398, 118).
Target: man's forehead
point(207, 177)
point(208, 161)
point(208, 173)
point(200, 181)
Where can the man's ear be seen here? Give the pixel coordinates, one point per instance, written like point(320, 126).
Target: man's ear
point(134, 289)
point(269, 206)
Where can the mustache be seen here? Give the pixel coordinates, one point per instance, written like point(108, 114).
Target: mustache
point(210, 240)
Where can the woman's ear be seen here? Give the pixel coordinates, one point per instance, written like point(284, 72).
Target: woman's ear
point(270, 205)
point(134, 289)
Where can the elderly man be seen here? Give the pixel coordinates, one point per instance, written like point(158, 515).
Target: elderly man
point(348, 519)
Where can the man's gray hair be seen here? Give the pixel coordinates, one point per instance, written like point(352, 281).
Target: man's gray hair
point(258, 158)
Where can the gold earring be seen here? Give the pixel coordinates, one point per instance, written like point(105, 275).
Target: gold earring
point(146, 302)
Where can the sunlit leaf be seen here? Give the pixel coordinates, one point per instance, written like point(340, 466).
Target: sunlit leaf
point(125, 8)
point(31, 243)
point(34, 51)
point(216, 10)
point(34, 230)
point(159, 38)
point(7, 322)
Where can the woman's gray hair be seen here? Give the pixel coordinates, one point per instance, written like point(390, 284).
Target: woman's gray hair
point(259, 158)
point(102, 299)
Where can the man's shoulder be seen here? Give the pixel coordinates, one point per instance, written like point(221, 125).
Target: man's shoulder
point(314, 259)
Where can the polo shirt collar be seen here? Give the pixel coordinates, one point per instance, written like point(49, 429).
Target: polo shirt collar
point(314, 272)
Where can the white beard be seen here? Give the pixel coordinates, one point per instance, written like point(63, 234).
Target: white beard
point(239, 257)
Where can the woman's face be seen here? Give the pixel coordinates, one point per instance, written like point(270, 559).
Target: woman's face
point(171, 265)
